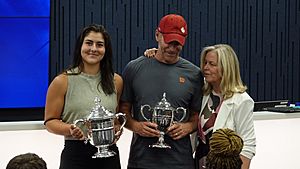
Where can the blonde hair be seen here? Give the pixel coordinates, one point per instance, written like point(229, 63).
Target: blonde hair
point(225, 149)
point(230, 71)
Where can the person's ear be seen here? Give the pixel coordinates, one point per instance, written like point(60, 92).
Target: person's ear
point(156, 34)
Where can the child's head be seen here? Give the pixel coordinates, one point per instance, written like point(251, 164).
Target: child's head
point(225, 149)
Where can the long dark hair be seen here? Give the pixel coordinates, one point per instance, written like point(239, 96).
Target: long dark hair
point(106, 67)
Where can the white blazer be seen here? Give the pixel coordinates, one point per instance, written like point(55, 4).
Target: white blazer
point(236, 113)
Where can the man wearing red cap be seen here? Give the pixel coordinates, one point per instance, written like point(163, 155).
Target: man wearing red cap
point(145, 81)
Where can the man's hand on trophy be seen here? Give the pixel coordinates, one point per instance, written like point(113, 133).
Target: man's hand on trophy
point(178, 130)
point(146, 129)
point(76, 132)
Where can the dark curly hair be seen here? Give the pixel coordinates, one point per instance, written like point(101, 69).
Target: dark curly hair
point(26, 161)
point(225, 149)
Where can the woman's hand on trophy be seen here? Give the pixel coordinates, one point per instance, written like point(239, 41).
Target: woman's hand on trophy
point(76, 132)
point(146, 129)
point(178, 130)
point(150, 52)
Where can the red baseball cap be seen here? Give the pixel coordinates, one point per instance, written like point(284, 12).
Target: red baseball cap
point(173, 28)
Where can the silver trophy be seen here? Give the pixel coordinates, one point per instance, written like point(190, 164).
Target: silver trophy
point(100, 129)
point(164, 116)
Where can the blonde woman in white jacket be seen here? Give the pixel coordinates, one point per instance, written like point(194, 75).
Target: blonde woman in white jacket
point(225, 103)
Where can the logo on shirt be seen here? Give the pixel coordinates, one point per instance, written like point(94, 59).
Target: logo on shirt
point(181, 79)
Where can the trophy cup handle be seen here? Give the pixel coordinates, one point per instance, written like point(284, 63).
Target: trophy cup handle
point(87, 139)
point(79, 121)
point(142, 111)
point(184, 113)
point(118, 115)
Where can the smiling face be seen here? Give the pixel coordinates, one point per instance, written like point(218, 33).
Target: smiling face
point(211, 70)
point(167, 52)
point(93, 48)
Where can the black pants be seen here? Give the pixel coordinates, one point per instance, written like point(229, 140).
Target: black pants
point(78, 155)
point(200, 156)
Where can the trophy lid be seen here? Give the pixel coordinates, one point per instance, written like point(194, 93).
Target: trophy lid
point(100, 112)
point(163, 104)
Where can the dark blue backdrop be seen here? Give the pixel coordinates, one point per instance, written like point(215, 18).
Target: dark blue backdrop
point(265, 35)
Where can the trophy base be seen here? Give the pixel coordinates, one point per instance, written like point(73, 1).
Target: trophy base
point(160, 145)
point(104, 154)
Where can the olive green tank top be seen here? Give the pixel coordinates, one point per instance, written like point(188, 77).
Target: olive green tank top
point(80, 96)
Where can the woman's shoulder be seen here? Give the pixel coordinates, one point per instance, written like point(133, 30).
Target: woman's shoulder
point(242, 97)
point(59, 83)
point(60, 79)
point(117, 77)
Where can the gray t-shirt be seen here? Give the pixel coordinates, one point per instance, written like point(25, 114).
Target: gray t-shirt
point(145, 81)
point(80, 96)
